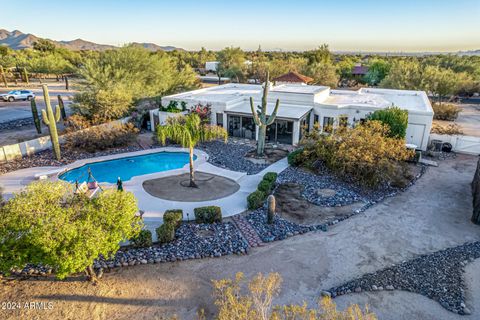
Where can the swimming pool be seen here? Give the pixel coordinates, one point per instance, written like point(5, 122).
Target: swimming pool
point(128, 167)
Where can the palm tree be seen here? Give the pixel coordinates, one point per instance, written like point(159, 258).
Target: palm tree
point(188, 131)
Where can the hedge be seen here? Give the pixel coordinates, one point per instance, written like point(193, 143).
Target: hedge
point(293, 157)
point(270, 176)
point(144, 239)
point(208, 214)
point(165, 233)
point(174, 217)
point(255, 199)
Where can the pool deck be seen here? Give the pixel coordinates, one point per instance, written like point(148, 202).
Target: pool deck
point(153, 207)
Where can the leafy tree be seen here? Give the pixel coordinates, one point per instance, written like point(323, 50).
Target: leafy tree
point(395, 118)
point(116, 78)
point(441, 82)
point(44, 45)
point(323, 74)
point(49, 224)
point(231, 63)
point(188, 131)
point(405, 75)
point(345, 65)
point(377, 71)
point(321, 55)
point(235, 302)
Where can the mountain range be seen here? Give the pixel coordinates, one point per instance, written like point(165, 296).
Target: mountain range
point(18, 40)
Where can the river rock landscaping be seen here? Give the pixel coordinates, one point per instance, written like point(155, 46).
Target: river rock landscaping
point(231, 155)
point(438, 276)
point(17, 123)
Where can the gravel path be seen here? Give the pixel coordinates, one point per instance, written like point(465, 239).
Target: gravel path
point(438, 276)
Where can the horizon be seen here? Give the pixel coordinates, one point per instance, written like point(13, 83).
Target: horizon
point(304, 25)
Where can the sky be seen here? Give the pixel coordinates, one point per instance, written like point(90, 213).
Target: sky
point(347, 25)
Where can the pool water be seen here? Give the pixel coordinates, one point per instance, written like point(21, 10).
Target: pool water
point(128, 167)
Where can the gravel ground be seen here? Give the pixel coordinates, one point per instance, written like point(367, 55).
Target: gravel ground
point(17, 123)
point(438, 276)
point(231, 156)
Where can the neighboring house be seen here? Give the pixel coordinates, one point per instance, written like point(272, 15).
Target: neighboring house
point(303, 105)
point(359, 71)
point(292, 78)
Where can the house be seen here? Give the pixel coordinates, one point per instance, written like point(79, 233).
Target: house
point(359, 71)
point(304, 105)
point(292, 78)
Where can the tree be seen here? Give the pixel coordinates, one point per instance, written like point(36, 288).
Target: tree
point(405, 75)
point(441, 82)
point(395, 118)
point(260, 117)
point(44, 45)
point(231, 63)
point(323, 74)
point(188, 131)
point(49, 224)
point(116, 78)
point(377, 71)
point(235, 302)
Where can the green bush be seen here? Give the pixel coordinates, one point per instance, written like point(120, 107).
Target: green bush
point(208, 214)
point(165, 233)
point(395, 118)
point(255, 199)
point(270, 176)
point(144, 239)
point(173, 217)
point(294, 158)
point(265, 186)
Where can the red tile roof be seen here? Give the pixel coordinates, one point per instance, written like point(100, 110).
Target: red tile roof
point(293, 77)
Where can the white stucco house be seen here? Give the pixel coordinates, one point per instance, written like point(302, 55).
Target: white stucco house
point(303, 105)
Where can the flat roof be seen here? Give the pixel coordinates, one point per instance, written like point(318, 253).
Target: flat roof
point(380, 98)
point(284, 110)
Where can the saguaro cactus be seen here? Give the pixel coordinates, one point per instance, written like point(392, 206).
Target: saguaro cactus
point(271, 208)
point(51, 120)
point(36, 118)
point(62, 107)
point(25, 75)
point(4, 77)
point(260, 117)
point(66, 83)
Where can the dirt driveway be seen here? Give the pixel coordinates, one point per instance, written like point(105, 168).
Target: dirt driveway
point(432, 215)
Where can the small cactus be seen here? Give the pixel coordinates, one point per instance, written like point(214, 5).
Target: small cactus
point(4, 77)
point(51, 120)
point(36, 118)
point(25, 76)
point(66, 83)
point(62, 107)
point(271, 208)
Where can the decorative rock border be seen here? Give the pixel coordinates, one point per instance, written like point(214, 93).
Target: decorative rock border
point(248, 232)
point(438, 276)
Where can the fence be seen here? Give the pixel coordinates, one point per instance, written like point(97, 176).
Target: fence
point(27, 148)
point(460, 143)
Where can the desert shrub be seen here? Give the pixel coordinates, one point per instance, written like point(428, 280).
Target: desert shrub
point(48, 224)
point(173, 217)
point(171, 107)
point(77, 122)
point(255, 199)
point(165, 233)
point(451, 128)
point(239, 300)
point(270, 176)
point(294, 157)
point(395, 118)
point(208, 214)
point(102, 137)
point(365, 154)
point(266, 186)
point(143, 239)
point(445, 111)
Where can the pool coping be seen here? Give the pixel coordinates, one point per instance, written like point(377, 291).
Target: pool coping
point(202, 157)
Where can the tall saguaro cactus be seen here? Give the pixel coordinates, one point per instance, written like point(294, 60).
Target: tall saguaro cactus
point(51, 120)
point(36, 118)
point(260, 117)
point(4, 77)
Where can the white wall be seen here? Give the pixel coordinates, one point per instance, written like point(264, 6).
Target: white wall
point(460, 143)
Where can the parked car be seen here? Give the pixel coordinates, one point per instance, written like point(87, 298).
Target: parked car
point(17, 95)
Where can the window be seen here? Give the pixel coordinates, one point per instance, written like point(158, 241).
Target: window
point(220, 119)
point(316, 119)
point(327, 124)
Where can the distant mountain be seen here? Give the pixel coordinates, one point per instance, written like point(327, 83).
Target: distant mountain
point(18, 40)
point(469, 53)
